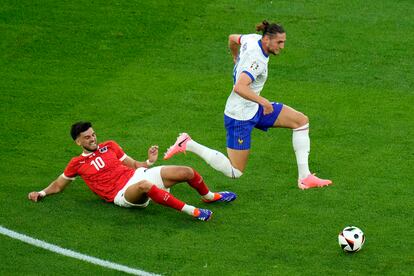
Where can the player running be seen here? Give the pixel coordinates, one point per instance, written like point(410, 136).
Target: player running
point(117, 178)
point(246, 109)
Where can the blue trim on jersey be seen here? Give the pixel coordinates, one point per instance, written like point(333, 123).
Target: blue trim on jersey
point(261, 47)
point(250, 75)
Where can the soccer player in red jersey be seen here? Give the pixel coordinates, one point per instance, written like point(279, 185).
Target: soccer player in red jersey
point(118, 178)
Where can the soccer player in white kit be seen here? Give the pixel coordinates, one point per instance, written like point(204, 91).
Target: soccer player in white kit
point(247, 109)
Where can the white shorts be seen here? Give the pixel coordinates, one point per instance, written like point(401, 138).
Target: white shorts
point(153, 175)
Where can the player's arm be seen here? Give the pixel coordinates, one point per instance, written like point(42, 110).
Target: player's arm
point(242, 88)
point(152, 158)
point(234, 45)
point(56, 186)
point(132, 163)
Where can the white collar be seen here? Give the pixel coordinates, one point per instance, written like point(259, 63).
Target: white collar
point(87, 154)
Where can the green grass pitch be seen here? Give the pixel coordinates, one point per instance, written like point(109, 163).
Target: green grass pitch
point(143, 71)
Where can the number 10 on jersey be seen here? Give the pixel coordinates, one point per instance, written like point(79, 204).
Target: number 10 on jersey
point(98, 163)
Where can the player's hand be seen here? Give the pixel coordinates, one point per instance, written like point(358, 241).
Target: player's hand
point(153, 153)
point(35, 196)
point(267, 108)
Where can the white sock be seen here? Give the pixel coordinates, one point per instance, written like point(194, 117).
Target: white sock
point(188, 209)
point(214, 158)
point(209, 196)
point(301, 146)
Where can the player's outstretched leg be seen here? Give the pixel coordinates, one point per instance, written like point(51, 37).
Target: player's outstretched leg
point(214, 158)
point(165, 198)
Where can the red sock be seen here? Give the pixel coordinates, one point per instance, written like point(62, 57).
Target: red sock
point(165, 198)
point(198, 183)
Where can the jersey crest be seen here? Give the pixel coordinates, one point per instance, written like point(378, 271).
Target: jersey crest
point(254, 66)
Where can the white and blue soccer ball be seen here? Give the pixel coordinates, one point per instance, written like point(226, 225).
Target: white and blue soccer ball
point(351, 239)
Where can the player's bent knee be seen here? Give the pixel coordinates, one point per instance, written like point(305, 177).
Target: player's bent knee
point(189, 172)
point(185, 173)
point(300, 121)
point(144, 186)
point(305, 120)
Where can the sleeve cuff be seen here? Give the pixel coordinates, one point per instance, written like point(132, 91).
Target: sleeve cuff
point(123, 157)
point(67, 177)
point(249, 74)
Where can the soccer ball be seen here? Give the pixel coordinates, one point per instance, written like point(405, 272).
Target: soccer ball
point(351, 239)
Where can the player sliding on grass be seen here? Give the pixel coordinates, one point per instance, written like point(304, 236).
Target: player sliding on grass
point(118, 178)
point(246, 109)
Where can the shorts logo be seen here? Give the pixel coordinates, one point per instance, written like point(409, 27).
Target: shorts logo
point(240, 141)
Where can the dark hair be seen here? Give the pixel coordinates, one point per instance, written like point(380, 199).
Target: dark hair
point(79, 127)
point(269, 28)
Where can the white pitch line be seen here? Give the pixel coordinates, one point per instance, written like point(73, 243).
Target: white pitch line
point(72, 254)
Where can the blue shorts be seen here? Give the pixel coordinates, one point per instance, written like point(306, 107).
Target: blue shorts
point(239, 132)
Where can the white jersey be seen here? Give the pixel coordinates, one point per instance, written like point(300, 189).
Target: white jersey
point(253, 61)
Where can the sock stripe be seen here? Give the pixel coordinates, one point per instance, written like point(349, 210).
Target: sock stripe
point(304, 127)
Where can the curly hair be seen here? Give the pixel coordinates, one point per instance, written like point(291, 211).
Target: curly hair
point(79, 127)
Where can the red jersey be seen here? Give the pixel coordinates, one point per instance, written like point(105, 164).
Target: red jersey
point(102, 170)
